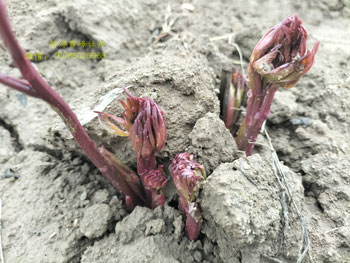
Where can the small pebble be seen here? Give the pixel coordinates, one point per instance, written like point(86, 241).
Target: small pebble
point(83, 196)
point(85, 169)
point(154, 226)
point(301, 121)
point(101, 196)
point(76, 161)
point(197, 256)
point(187, 6)
point(95, 221)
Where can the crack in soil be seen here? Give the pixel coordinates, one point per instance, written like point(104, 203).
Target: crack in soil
point(57, 154)
point(14, 135)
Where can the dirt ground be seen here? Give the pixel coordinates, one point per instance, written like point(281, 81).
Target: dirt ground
point(56, 207)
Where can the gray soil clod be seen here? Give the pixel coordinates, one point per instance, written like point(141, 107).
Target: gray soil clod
point(95, 221)
point(233, 210)
point(211, 142)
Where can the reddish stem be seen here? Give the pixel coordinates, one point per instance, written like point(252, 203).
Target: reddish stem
point(193, 226)
point(39, 88)
point(230, 111)
point(145, 165)
point(258, 109)
point(21, 86)
point(157, 199)
point(193, 223)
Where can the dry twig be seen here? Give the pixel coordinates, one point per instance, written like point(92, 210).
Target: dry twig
point(249, 178)
point(167, 27)
point(281, 178)
point(235, 45)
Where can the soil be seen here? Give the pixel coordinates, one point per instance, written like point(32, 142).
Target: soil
point(57, 207)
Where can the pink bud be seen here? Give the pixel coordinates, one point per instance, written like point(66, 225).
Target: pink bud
point(281, 56)
point(187, 175)
point(148, 133)
point(143, 121)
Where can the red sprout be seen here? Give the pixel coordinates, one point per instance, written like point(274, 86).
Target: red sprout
point(187, 175)
point(280, 59)
point(143, 121)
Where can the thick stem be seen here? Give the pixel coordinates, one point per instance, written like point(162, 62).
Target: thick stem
point(255, 94)
point(193, 225)
point(40, 88)
point(193, 217)
point(128, 182)
point(157, 198)
point(145, 165)
point(259, 111)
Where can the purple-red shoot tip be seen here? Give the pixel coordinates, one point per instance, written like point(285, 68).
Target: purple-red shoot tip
point(143, 121)
point(280, 59)
point(187, 175)
point(281, 56)
point(148, 133)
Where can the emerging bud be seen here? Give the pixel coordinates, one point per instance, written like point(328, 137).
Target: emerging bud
point(148, 132)
point(278, 60)
point(132, 107)
point(187, 175)
point(233, 95)
point(155, 179)
point(143, 121)
point(281, 56)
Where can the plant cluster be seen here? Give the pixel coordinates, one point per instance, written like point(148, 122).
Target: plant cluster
point(143, 122)
point(279, 60)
